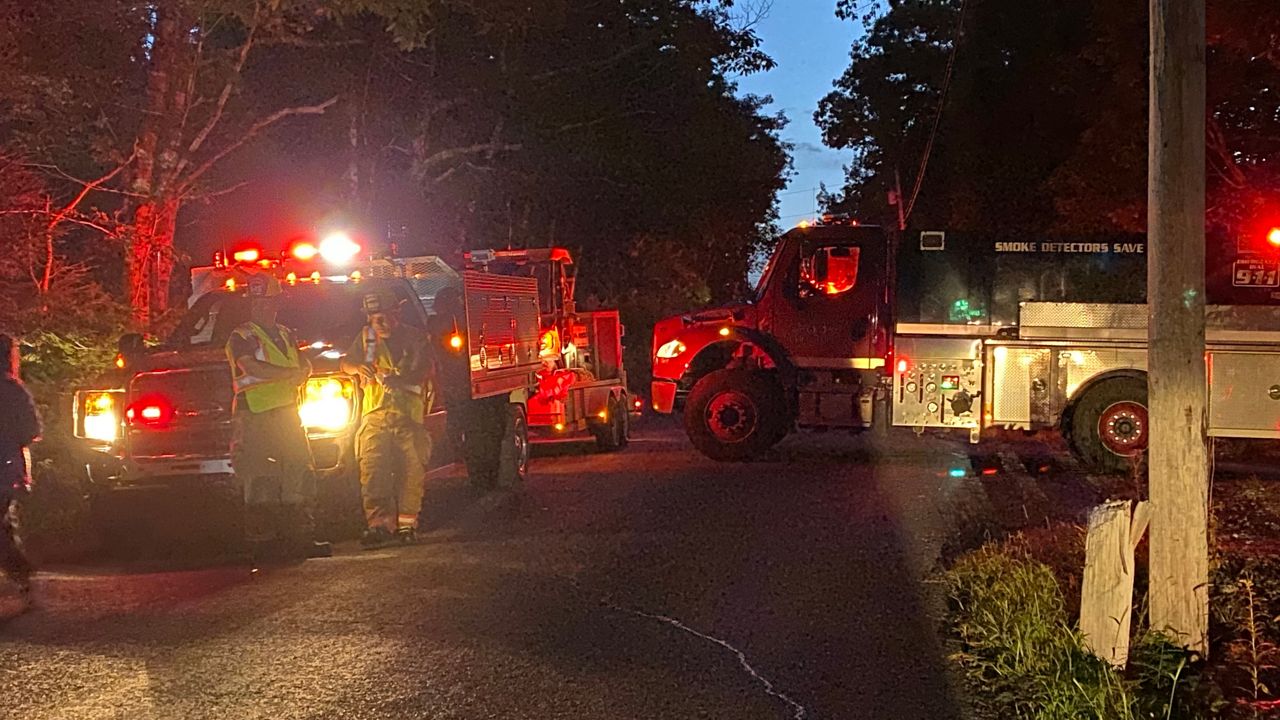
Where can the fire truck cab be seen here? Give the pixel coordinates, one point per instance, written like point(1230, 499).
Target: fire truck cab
point(963, 332)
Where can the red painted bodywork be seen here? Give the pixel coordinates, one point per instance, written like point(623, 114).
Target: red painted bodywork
point(784, 322)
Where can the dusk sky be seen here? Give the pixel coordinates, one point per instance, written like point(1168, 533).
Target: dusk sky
point(811, 47)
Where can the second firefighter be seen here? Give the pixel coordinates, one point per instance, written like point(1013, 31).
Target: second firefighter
point(392, 446)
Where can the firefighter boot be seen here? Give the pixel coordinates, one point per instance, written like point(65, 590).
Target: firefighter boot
point(407, 535)
point(299, 534)
point(376, 537)
point(259, 532)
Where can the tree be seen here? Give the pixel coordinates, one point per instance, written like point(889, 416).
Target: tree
point(1044, 125)
point(609, 128)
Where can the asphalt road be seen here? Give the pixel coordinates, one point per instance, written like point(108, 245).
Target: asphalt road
point(646, 584)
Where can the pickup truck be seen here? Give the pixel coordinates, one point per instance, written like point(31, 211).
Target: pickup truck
point(164, 417)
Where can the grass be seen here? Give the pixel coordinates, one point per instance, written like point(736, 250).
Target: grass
point(1025, 658)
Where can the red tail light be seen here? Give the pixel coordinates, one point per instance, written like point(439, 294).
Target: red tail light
point(903, 366)
point(152, 411)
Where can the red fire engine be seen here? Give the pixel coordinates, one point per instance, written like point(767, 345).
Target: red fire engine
point(582, 385)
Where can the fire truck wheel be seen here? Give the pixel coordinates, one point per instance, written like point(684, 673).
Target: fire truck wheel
point(484, 428)
point(735, 415)
point(513, 463)
point(612, 435)
point(1109, 429)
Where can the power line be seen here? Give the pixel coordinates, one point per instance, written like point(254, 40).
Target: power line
point(797, 192)
point(937, 118)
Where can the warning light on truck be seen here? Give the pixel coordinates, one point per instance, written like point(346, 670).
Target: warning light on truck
point(338, 248)
point(1273, 237)
point(247, 255)
point(903, 366)
point(304, 251)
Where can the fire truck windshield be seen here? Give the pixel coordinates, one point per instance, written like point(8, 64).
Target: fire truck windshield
point(327, 312)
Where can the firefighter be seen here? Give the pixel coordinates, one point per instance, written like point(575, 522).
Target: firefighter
point(269, 450)
point(393, 448)
point(19, 427)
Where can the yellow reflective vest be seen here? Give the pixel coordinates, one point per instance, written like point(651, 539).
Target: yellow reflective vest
point(261, 394)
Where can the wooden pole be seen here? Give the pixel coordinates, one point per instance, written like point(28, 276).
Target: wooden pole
point(1179, 463)
point(1106, 591)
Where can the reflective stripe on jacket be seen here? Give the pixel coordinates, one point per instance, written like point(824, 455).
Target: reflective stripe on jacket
point(262, 394)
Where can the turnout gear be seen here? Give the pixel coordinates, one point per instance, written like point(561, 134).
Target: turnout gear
point(392, 444)
point(269, 448)
point(394, 452)
point(261, 394)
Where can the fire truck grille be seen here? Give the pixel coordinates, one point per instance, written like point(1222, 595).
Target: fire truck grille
point(200, 399)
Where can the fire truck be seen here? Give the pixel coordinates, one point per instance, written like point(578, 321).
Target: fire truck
point(582, 387)
point(165, 416)
point(975, 333)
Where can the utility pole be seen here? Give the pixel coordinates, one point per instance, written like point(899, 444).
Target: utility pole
point(1179, 462)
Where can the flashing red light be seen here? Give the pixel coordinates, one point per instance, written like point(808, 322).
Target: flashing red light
point(1273, 237)
point(304, 251)
point(638, 404)
point(903, 366)
point(120, 361)
point(247, 255)
point(152, 411)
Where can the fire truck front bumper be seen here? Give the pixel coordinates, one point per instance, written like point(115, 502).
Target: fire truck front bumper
point(663, 393)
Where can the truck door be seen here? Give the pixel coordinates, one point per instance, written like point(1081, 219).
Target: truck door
point(833, 309)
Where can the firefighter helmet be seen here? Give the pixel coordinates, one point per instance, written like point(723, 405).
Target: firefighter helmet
point(264, 286)
point(375, 303)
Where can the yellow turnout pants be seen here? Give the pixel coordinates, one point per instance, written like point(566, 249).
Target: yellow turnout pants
point(394, 452)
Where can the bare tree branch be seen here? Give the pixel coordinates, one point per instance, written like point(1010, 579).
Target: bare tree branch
point(603, 64)
point(54, 169)
point(207, 196)
point(70, 207)
point(489, 149)
point(227, 88)
point(253, 132)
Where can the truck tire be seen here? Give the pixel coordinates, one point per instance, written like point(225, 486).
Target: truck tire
point(513, 460)
point(736, 415)
point(1109, 428)
point(612, 436)
point(483, 428)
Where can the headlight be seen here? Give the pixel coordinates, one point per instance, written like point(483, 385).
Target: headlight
point(100, 417)
point(671, 350)
point(327, 403)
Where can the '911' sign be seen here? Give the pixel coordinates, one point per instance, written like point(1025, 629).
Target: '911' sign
point(1252, 273)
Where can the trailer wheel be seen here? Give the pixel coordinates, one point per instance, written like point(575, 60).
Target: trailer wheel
point(1109, 429)
point(612, 436)
point(735, 415)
